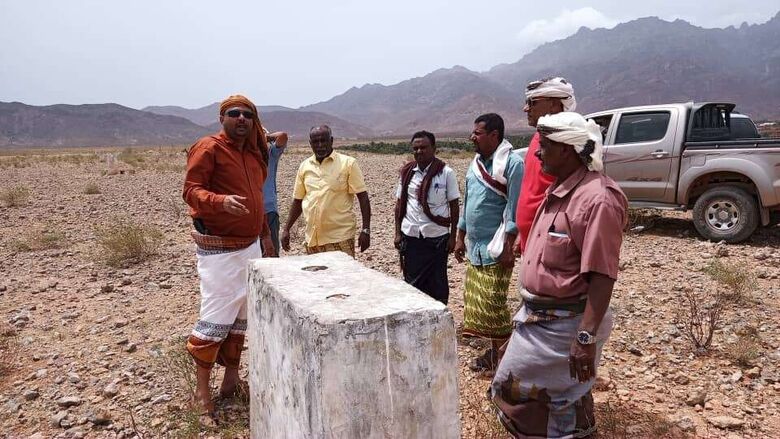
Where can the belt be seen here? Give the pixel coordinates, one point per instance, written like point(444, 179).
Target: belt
point(542, 303)
point(576, 307)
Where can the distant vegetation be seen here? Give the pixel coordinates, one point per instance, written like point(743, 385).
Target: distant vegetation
point(405, 147)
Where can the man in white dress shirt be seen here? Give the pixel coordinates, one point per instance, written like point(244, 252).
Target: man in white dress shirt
point(426, 214)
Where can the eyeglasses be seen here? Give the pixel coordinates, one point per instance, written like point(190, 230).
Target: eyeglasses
point(236, 113)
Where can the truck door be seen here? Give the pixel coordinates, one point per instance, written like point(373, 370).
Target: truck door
point(639, 154)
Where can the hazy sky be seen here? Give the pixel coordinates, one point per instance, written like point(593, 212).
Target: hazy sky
point(192, 53)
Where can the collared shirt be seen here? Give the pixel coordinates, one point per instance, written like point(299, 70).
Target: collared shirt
point(577, 230)
point(483, 209)
point(444, 188)
point(328, 190)
point(215, 169)
point(269, 187)
point(532, 192)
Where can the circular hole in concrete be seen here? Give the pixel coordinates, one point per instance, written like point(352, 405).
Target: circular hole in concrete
point(337, 296)
point(314, 268)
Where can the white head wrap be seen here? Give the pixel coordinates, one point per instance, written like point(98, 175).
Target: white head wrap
point(572, 129)
point(553, 88)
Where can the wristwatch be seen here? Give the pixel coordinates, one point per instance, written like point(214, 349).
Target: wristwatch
point(366, 230)
point(585, 337)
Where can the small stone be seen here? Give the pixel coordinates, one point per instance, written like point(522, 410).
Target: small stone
point(726, 422)
point(162, 398)
point(635, 350)
point(686, 424)
point(30, 395)
point(753, 373)
point(68, 401)
point(760, 255)
point(119, 323)
point(682, 379)
point(696, 397)
point(110, 390)
point(73, 377)
point(41, 373)
point(131, 348)
point(736, 376)
point(603, 381)
point(56, 420)
point(107, 288)
point(122, 341)
point(13, 406)
point(102, 417)
point(125, 281)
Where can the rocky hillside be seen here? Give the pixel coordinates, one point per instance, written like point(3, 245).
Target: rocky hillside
point(275, 117)
point(90, 125)
point(644, 61)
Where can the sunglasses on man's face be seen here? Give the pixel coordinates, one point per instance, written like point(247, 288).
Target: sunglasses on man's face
point(236, 113)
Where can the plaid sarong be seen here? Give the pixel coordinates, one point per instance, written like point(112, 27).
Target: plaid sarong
point(533, 389)
point(347, 246)
point(486, 312)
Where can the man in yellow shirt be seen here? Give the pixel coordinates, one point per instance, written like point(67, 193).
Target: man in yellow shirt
point(325, 187)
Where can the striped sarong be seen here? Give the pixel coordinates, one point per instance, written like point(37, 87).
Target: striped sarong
point(533, 389)
point(218, 335)
point(347, 246)
point(486, 313)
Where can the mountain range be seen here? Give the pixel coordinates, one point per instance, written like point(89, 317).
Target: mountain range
point(643, 61)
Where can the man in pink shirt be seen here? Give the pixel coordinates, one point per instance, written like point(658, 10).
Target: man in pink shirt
point(542, 97)
point(542, 387)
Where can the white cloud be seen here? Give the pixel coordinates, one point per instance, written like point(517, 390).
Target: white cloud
point(565, 24)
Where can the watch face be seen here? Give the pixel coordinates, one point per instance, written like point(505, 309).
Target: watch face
point(583, 337)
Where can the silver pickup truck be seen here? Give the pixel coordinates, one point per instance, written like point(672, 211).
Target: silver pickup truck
point(701, 156)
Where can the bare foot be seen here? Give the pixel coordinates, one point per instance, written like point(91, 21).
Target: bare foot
point(229, 383)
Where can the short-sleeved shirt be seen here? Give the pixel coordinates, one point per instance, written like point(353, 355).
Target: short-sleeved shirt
point(484, 209)
point(577, 230)
point(269, 187)
point(444, 188)
point(328, 190)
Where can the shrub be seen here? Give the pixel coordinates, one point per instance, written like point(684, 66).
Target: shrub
point(736, 279)
point(747, 349)
point(36, 240)
point(91, 188)
point(701, 319)
point(125, 242)
point(15, 196)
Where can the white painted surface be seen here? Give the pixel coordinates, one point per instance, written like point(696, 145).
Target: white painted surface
point(347, 352)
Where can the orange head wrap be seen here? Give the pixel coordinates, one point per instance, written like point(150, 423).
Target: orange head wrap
point(257, 139)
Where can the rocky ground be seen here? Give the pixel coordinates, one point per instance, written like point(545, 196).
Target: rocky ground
point(91, 350)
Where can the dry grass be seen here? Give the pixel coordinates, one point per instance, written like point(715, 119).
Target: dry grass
point(37, 239)
point(737, 280)
point(15, 196)
point(133, 158)
point(123, 242)
point(746, 351)
point(91, 188)
point(623, 420)
point(8, 350)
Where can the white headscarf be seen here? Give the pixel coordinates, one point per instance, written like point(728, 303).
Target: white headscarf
point(572, 129)
point(553, 88)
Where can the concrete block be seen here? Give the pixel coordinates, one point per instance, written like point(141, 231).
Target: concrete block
point(337, 350)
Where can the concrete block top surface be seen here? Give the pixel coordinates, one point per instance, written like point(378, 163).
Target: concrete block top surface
point(332, 287)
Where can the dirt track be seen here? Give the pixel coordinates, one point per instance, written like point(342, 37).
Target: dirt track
point(110, 338)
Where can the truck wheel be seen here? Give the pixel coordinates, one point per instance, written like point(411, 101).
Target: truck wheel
point(725, 213)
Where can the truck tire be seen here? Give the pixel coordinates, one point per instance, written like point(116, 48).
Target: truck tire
point(726, 213)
